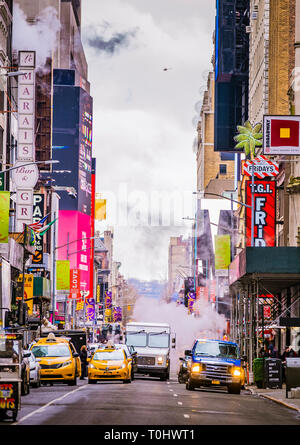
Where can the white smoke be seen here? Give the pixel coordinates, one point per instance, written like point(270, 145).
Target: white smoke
point(187, 328)
point(41, 36)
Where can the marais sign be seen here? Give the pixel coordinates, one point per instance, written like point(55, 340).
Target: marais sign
point(25, 177)
point(264, 213)
point(281, 135)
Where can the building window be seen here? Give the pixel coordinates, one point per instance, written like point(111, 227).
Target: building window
point(223, 169)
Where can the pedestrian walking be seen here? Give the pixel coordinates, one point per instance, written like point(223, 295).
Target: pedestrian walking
point(83, 358)
point(288, 352)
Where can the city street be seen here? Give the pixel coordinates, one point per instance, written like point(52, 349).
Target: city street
point(147, 401)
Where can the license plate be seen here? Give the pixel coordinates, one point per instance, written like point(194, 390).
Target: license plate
point(215, 382)
point(107, 373)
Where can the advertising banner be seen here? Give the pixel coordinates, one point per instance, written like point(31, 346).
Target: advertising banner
point(281, 135)
point(108, 300)
point(4, 216)
point(28, 291)
point(75, 284)
point(222, 255)
point(264, 213)
point(117, 314)
point(90, 309)
point(191, 300)
point(100, 209)
point(62, 275)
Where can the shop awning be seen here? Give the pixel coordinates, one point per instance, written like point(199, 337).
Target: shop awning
point(276, 267)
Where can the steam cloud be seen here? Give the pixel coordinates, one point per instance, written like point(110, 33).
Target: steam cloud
point(40, 36)
point(187, 328)
point(110, 46)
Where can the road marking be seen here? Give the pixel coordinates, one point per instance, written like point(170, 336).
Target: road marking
point(186, 416)
point(179, 403)
point(214, 412)
point(48, 404)
point(171, 390)
point(175, 395)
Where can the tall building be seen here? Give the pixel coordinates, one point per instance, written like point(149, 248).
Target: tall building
point(215, 170)
point(179, 263)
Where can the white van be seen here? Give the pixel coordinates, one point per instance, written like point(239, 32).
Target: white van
point(152, 342)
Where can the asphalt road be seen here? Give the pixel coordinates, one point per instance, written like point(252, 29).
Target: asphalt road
point(147, 401)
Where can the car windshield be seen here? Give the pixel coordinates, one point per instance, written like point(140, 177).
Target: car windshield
point(51, 351)
point(160, 340)
point(109, 355)
point(136, 339)
point(216, 349)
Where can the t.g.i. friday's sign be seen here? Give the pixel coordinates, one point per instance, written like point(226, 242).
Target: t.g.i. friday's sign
point(26, 137)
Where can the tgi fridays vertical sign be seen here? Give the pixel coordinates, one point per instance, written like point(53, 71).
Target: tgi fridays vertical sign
point(25, 176)
point(264, 213)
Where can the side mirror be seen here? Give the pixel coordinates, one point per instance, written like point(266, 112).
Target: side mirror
point(88, 359)
point(173, 346)
point(187, 352)
point(173, 340)
point(75, 355)
point(182, 359)
point(26, 354)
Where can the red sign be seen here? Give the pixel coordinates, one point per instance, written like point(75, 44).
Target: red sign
point(74, 284)
point(202, 293)
point(264, 213)
point(281, 135)
point(267, 311)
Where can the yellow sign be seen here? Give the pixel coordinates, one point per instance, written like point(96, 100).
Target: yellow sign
point(28, 291)
point(4, 216)
point(100, 209)
point(222, 252)
point(98, 294)
point(62, 275)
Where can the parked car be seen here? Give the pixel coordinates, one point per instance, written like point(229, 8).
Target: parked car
point(132, 356)
point(25, 372)
point(183, 369)
point(35, 369)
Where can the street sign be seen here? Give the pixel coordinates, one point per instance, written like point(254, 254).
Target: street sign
point(262, 166)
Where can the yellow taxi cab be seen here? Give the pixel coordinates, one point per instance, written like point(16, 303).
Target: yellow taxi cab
point(109, 363)
point(58, 359)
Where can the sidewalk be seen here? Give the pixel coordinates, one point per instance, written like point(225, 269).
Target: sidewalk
point(277, 395)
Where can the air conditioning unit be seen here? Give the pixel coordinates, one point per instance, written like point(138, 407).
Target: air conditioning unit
point(248, 29)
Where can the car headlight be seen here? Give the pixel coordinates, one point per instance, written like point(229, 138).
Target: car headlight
point(67, 363)
point(160, 360)
point(123, 366)
point(91, 366)
point(236, 372)
point(196, 368)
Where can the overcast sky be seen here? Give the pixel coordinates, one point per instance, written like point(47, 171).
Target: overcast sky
point(148, 63)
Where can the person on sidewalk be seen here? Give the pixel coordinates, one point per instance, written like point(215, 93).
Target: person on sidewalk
point(83, 358)
point(288, 352)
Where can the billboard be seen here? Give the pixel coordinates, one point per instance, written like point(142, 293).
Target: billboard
point(62, 275)
point(222, 255)
point(281, 135)
point(74, 232)
point(264, 213)
point(72, 143)
point(4, 216)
